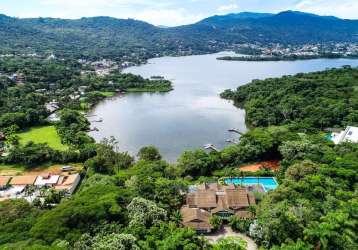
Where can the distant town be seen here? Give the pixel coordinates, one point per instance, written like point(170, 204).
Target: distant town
point(277, 52)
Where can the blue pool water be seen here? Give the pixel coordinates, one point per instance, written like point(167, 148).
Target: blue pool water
point(329, 137)
point(269, 183)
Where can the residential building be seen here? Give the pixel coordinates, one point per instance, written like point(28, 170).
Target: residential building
point(23, 180)
point(348, 135)
point(196, 218)
point(215, 199)
point(17, 186)
point(68, 183)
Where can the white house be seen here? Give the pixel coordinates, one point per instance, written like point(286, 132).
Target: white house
point(348, 135)
point(52, 106)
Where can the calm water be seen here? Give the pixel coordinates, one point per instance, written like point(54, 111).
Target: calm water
point(193, 114)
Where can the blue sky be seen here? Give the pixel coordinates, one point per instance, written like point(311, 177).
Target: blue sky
point(170, 12)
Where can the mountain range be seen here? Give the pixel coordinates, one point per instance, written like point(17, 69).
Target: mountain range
point(111, 37)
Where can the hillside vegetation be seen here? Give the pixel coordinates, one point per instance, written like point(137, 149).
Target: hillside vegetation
point(314, 100)
point(115, 38)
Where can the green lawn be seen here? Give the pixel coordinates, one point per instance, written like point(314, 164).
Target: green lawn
point(108, 93)
point(47, 134)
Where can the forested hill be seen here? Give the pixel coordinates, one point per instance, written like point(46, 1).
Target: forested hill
point(111, 37)
point(323, 99)
point(285, 27)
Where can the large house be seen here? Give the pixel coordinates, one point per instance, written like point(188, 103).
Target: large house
point(206, 200)
point(196, 218)
point(15, 187)
point(348, 135)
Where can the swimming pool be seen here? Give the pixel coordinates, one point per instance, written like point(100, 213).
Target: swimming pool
point(269, 183)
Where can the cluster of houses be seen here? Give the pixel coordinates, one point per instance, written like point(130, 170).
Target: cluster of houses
point(206, 200)
point(15, 187)
point(341, 49)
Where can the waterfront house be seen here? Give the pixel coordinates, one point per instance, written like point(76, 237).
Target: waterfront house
point(216, 199)
point(196, 218)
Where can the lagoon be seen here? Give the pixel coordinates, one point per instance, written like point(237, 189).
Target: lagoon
point(193, 114)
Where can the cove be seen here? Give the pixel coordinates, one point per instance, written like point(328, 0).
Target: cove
point(193, 114)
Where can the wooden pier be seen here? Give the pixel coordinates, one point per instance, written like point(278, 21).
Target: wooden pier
point(211, 147)
point(234, 130)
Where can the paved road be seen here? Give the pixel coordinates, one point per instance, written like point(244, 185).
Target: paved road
point(227, 231)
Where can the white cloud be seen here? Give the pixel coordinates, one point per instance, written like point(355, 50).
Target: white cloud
point(157, 12)
point(340, 8)
point(108, 3)
point(168, 17)
point(228, 8)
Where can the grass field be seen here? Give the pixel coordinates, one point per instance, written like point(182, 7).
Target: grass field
point(47, 134)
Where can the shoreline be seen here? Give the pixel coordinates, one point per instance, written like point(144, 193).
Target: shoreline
point(279, 59)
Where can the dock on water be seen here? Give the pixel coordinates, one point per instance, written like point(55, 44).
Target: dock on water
point(234, 130)
point(211, 147)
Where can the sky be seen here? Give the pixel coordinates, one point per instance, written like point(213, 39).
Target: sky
point(170, 12)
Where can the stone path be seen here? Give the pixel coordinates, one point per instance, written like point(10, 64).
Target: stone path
point(227, 231)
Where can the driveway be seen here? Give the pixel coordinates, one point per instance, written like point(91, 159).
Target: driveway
point(227, 231)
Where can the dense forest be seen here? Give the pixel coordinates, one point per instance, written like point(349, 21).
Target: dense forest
point(118, 38)
point(127, 204)
point(311, 101)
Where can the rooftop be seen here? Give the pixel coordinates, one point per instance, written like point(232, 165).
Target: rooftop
point(47, 179)
point(214, 195)
point(348, 135)
point(4, 180)
point(23, 180)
